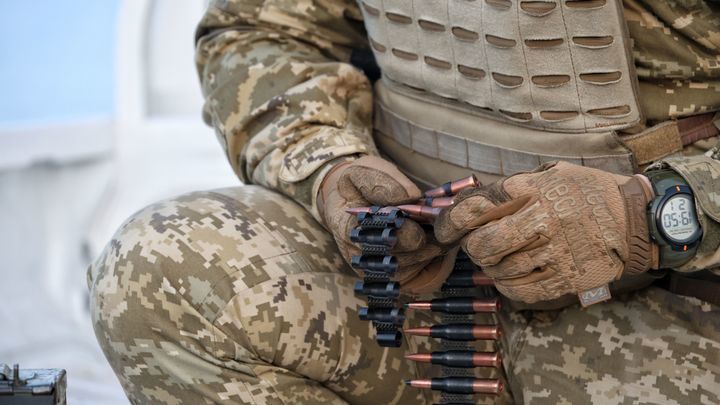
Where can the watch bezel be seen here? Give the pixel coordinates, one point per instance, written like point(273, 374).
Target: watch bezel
point(693, 239)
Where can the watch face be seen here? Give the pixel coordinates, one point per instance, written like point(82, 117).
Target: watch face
point(678, 220)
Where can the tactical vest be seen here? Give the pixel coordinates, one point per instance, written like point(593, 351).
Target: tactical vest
point(500, 86)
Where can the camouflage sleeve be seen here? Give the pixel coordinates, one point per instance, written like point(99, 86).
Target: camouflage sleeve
point(703, 175)
point(279, 90)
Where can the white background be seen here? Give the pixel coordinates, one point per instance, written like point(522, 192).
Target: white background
point(99, 116)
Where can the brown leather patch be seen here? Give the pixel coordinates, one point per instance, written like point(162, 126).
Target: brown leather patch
point(500, 42)
point(543, 43)
point(696, 128)
point(550, 80)
point(538, 8)
point(465, 34)
point(438, 63)
point(431, 26)
point(594, 42)
point(601, 77)
point(471, 72)
point(507, 80)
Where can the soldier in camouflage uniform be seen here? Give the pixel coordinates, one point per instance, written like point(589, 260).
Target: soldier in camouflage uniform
point(241, 295)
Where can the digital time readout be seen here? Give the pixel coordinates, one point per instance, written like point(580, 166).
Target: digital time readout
point(678, 218)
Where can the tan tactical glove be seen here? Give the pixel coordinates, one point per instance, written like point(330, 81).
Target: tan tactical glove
point(562, 229)
point(369, 181)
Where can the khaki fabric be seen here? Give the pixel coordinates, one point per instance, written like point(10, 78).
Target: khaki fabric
point(279, 90)
point(286, 103)
point(676, 47)
point(240, 296)
point(441, 131)
point(237, 296)
point(556, 66)
point(648, 347)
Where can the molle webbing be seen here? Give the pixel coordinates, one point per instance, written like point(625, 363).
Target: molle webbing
point(560, 65)
point(483, 145)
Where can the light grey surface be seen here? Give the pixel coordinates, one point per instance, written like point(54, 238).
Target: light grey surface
point(44, 320)
point(55, 217)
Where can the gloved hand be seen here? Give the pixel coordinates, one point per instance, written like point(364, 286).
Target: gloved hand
point(562, 229)
point(370, 181)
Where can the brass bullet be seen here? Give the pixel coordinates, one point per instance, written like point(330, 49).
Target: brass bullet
point(460, 385)
point(459, 358)
point(458, 305)
point(453, 187)
point(459, 332)
point(438, 202)
point(420, 211)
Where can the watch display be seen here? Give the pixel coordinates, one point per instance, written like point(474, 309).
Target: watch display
point(672, 218)
point(678, 220)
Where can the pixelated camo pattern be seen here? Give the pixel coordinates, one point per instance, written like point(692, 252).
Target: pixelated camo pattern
point(279, 91)
point(652, 347)
point(238, 296)
point(285, 102)
point(676, 45)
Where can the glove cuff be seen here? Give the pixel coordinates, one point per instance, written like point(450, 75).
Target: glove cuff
point(642, 253)
point(328, 185)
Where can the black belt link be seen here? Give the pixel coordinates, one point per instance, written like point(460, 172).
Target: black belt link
point(377, 234)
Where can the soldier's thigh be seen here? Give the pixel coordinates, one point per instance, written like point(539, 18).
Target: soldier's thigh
point(652, 348)
point(237, 296)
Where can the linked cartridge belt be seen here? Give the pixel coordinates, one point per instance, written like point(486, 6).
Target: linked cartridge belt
point(465, 293)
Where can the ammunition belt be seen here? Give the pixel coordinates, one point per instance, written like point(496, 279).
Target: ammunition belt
point(463, 265)
point(376, 235)
point(465, 292)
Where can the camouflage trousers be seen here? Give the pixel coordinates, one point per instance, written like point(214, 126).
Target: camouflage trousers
point(239, 296)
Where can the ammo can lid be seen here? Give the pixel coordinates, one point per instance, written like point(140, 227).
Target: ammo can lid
point(31, 381)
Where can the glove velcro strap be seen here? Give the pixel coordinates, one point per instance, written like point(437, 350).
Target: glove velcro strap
point(640, 247)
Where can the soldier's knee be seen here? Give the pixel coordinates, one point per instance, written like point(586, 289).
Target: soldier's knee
point(195, 252)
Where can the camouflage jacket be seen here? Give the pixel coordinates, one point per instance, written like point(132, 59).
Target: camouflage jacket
point(287, 104)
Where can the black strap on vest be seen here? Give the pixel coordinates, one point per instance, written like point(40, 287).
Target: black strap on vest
point(705, 287)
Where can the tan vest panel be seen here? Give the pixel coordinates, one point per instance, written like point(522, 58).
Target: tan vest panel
point(559, 65)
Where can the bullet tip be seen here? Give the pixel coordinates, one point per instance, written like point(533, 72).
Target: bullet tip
point(407, 382)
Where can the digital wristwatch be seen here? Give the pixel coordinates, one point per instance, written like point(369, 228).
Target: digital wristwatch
point(672, 219)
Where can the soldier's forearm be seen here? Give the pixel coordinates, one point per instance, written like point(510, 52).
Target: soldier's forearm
point(284, 105)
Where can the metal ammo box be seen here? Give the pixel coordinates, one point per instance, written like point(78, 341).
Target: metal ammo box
point(31, 387)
